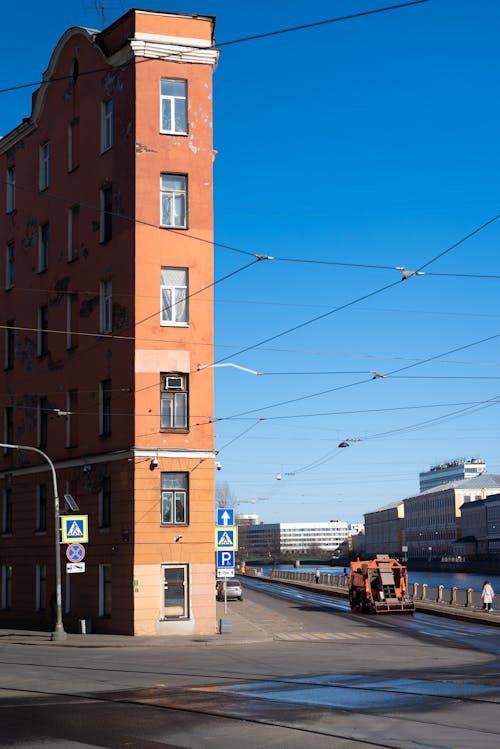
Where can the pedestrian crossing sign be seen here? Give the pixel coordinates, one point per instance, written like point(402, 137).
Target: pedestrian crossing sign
point(74, 528)
point(226, 538)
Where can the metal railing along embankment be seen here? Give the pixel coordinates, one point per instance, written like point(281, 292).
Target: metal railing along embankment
point(436, 599)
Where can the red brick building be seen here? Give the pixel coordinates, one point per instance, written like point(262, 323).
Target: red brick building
point(107, 310)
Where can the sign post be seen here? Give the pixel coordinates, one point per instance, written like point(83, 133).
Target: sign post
point(226, 544)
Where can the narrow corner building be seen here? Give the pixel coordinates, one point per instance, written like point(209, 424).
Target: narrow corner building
point(107, 312)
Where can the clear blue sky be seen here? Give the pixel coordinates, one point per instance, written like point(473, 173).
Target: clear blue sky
point(374, 141)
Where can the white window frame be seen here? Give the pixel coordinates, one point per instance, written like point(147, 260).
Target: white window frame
point(11, 189)
point(106, 125)
point(43, 247)
point(174, 104)
point(175, 494)
point(177, 312)
point(44, 165)
point(105, 589)
point(173, 201)
point(181, 610)
point(10, 265)
point(178, 400)
point(106, 307)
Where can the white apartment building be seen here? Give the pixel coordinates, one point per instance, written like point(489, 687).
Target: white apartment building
point(292, 538)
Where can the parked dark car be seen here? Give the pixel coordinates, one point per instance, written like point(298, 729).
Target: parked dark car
point(233, 589)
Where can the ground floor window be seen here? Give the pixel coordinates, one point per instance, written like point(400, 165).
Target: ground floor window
point(6, 594)
point(104, 590)
point(40, 587)
point(175, 591)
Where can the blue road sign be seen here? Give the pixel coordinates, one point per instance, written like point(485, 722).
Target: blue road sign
point(225, 516)
point(225, 559)
point(226, 539)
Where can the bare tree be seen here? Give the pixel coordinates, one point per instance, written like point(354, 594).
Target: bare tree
point(224, 496)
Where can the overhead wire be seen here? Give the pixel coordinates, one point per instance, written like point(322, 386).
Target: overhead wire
point(230, 42)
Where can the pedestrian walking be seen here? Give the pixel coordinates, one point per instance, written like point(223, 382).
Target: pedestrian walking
point(487, 595)
point(317, 576)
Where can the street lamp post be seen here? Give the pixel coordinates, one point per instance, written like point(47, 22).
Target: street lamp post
point(58, 633)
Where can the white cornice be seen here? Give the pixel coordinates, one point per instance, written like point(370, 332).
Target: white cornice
point(174, 49)
point(164, 452)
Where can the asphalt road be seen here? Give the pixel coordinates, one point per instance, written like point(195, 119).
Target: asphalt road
point(297, 671)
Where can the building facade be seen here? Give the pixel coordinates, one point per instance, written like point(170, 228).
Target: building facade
point(432, 519)
point(107, 225)
point(269, 539)
point(453, 470)
point(480, 529)
point(384, 530)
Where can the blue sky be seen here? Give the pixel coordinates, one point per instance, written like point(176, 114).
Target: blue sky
point(370, 142)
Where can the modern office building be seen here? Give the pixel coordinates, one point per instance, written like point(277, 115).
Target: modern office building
point(452, 470)
point(107, 224)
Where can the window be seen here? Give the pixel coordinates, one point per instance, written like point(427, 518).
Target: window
point(174, 402)
point(41, 508)
point(8, 428)
point(105, 503)
point(71, 418)
point(104, 590)
point(106, 125)
point(73, 232)
point(6, 600)
point(7, 510)
point(43, 422)
point(106, 307)
point(106, 217)
point(10, 344)
point(43, 247)
point(174, 498)
point(44, 166)
point(174, 200)
point(10, 267)
point(40, 587)
point(105, 407)
point(43, 330)
point(11, 189)
point(71, 340)
point(73, 145)
point(173, 98)
point(174, 293)
point(175, 593)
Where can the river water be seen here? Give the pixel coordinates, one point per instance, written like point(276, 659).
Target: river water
point(461, 580)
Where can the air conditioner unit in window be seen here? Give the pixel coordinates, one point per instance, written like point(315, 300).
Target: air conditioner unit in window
point(173, 383)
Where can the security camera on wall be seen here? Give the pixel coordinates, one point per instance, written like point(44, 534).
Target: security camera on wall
point(218, 466)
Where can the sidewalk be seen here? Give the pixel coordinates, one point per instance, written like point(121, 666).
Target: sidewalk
point(241, 630)
point(242, 624)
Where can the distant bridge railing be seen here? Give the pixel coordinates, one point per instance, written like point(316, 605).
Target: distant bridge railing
point(452, 596)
